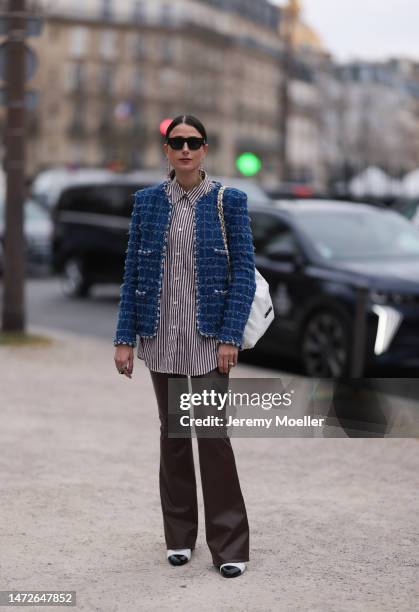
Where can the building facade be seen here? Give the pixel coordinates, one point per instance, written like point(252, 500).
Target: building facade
point(110, 72)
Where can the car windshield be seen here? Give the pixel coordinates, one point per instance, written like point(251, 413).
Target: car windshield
point(255, 194)
point(360, 234)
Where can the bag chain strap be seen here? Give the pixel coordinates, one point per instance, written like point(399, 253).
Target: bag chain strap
point(221, 216)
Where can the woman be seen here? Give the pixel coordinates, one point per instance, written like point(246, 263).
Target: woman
point(190, 320)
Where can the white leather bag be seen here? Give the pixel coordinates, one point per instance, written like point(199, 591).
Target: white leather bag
point(262, 312)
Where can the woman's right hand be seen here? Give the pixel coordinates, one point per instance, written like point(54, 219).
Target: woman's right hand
point(124, 359)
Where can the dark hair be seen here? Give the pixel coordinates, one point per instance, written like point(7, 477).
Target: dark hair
point(189, 120)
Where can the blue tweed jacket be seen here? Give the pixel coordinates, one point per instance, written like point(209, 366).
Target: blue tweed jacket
point(223, 307)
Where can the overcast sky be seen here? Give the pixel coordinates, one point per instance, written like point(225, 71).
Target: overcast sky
point(367, 29)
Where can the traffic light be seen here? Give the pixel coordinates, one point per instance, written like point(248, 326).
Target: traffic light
point(248, 164)
point(164, 125)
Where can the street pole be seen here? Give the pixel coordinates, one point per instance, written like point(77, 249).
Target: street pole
point(13, 314)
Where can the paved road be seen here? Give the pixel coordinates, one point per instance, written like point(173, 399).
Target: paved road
point(333, 522)
point(96, 316)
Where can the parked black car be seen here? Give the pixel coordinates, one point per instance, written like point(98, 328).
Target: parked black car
point(91, 224)
point(91, 221)
point(317, 256)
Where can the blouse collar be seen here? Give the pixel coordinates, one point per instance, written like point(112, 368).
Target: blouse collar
point(176, 191)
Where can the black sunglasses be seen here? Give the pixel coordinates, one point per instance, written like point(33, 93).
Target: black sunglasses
point(194, 143)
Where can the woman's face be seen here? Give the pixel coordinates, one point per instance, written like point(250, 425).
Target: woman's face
point(185, 160)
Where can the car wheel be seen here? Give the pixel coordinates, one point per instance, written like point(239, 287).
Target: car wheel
point(73, 281)
point(325, 345)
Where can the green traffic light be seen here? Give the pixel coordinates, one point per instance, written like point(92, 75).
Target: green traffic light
point(248, 164)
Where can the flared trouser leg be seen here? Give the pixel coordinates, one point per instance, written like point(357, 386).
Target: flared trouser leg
point(226, 524)
point(176, 474)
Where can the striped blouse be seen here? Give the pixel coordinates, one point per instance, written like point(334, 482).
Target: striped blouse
point(178, 347)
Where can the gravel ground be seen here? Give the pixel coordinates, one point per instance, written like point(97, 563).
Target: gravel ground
point(333, 522)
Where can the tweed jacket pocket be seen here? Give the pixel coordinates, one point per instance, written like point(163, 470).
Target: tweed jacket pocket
point(220, 266)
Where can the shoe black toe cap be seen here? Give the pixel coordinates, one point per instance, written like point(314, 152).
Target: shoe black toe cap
point(178, 559)
point(230, 571)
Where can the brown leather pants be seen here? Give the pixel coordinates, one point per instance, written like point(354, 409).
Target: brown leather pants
point(226, 524)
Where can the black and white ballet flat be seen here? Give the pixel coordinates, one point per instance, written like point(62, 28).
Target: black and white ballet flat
point(232, 570)
point(179, 556)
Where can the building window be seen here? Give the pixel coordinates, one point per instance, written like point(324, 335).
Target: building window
point(137, 82)
point(78, 7)
point(75, 76)
point(139, 11)
point(106, 79)
point(106, 119)
point(78, 41)
point(108, 44)
point(107, 9)
point(166, 13)
point(136, 46)
point(78, 123)
point(167, 50)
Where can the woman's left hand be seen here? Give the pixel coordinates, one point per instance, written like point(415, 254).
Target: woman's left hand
point(227, 357)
